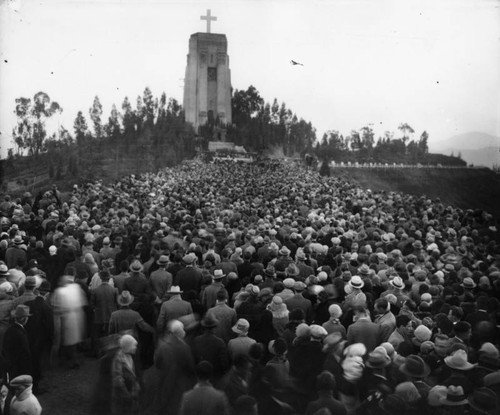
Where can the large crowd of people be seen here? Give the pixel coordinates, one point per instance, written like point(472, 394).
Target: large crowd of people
point(261, 288)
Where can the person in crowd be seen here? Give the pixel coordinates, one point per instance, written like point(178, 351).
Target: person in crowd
point(24, 402)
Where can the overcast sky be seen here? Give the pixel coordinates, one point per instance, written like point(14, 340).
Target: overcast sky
point(432, 64)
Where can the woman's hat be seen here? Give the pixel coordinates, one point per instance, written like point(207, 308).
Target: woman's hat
point(125, 298)
point(484, 401)
point(378, 358)
point(455, 396)
point(415, 367)
point(241, 327)
point(356, 282)
point(163, 260)
point(458, 361)
point(136, 266)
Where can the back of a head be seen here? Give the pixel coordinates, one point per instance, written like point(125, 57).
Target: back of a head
point(245, 405)
point(204, 370)
point(325, 381)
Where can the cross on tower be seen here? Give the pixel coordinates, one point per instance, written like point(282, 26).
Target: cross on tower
point(209, 19)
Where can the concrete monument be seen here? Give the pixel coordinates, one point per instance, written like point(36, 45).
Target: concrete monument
point(207, 85)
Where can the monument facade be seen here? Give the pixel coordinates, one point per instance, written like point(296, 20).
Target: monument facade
point(207, 84)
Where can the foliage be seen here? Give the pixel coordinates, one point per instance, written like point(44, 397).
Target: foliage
point(30, 132)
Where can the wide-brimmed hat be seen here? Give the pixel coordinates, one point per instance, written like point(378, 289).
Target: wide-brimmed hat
point(397, 282)
point(21, 311)
point(125, 298)
point(378, 358)
point(4, 270)
point(415, 367)
point(242, 326)
point(163, 260)
point(356, 282)
point(468, 283)
point(209, 321)
point(455, 396)
point(484, 400)
point(458, 361)
point(219, 274)
point(136, 266)
point(284, 251)
point(175, 289)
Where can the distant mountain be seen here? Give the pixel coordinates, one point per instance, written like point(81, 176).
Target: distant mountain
point(476, 148)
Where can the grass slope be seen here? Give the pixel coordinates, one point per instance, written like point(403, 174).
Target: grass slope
point(465, 188)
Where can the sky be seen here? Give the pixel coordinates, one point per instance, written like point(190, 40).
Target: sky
point(434, 64)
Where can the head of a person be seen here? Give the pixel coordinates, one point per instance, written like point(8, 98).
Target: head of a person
point(246, 405)
point(19, 384)
point(128, 344)
point(403, 323)
point(325, 381)
point(176, 328)
point(204, 370)
point(442, 345)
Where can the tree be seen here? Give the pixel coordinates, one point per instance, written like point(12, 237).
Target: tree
point(423, 143)
point(95, 115)
point(81, 128)
point(30, 132)
point(112, 128)
point(406, 130)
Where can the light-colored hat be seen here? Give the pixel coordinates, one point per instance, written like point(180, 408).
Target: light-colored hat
point(175, 289)
point(455, 396)
point(288, 282)
point(422, 333)
point(163, 260)
point(317, 331)
point(125, 298)
point(242, 326)
point(188, 259)
point(397, 282)
point(219, 274)
point(378, 358)
point(356, 282)
point(335, 311)
point(458, 361)
point(22, 380)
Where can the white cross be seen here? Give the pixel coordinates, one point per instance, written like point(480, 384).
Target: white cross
point(209, 19)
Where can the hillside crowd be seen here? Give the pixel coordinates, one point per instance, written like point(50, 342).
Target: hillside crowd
point(260, 288)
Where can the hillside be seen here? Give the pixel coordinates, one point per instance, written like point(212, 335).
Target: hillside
point(466, 188)
point(476, 148)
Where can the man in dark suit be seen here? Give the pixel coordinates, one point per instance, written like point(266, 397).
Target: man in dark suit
point(363, 330)
point(16, 349)
point(299, 301)
point(204, 398)
point(189, 278)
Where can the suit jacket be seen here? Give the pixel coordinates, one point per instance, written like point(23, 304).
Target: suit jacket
point(172, 309)
point(212, 349)
point(204, 399)
point(298, 301)
point(227, 319)
point(103, 300)
point(189, 278)
point(366, 332)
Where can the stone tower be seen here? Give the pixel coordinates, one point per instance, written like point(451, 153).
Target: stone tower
point(207, 85)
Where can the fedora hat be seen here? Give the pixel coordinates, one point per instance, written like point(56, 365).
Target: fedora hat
point(175, 289)
point(18, 240)
point(378, 358)
point(292, 270)
point(136, 266)
point(301, 256)
point(356, 282)
point(4, 270)
point(125, 298)
point(21, 311)
point(242, 326)
point(484, 400)
point(163, 260)
point(188, 259)
point(364, 270)
point(397, 282)
point(468, 283)
point(455, 396)
point(219, 274)
point(458, 361)
point(209, 321)
point(415, 367)
point(270, 271)
point(284, 251)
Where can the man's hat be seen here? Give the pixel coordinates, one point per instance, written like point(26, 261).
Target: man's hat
point(458, 361)
point(468, 283)
point(188, 259)
point(125, 298)
point(484, 401)
point(30, 282)
point(219, 274)
point(292, 270)
point(397, 282)
point(21, 311)
point(270, 271)
point(415, 367)
point(455, 396)
point(356, 282)
point(4, 270)
point(378, 358)
point(288, 282)
point(175, 289)
point(136, 266)
point(163, 260)
point(241, 326)
point(18, 240)
point(209, 321)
